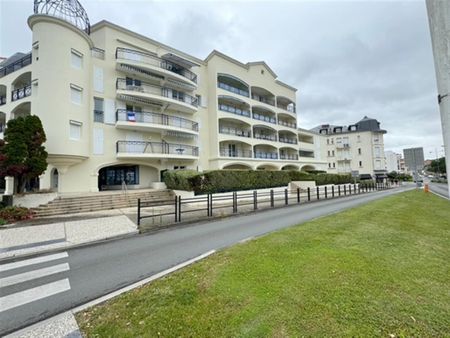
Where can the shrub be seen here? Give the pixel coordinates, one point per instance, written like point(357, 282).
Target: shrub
point(13, 214)
point(179, 179)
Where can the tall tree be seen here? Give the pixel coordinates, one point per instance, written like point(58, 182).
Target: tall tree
point(22, 154)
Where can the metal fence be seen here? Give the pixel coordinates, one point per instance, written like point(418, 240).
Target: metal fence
point(235, 202)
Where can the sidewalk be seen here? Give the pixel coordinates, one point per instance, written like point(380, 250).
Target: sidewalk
point(52, 233)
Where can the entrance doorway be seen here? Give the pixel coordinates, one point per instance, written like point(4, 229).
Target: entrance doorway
point(54, 179)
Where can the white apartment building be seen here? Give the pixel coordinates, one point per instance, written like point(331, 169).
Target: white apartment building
point(357, 148)
point(392, 161)
point(118, 107)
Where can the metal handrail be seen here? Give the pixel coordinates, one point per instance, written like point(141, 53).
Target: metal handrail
point(236, 153)
point(264, 118)
point(260, 154)
point(145, 147)
point(143, 87)
point(234, 131)
point(233, 89)
point(155, 118)
point(134, 55)
point(265, 137)
point(263, 99)
point(289, 157)
point(287, 140)
point(20, 93)
point(287, 124)
point(234, 110)
point(22, 62)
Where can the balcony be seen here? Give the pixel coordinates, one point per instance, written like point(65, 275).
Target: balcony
point(266, 155)
point(264, 118)
point(146, 121)
point(2, 100)
point(342, 145)
point(343, 157)
point(161, 95)
point(143, 149)
point(286, 104)
point(265, 137)
point(20, 93)
point(234, 110)
point(19, 64)
point(306, 153)
point(283, 139)
point(289, 157)
point(155, 63)
point(287, 124)
point(235, 153)
point(263, 95)
point(232, 89)
point(234, 131)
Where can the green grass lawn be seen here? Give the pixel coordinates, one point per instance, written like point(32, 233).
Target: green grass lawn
point(382, 269)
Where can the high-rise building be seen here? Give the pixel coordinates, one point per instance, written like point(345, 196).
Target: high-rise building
point(414, 159)
point(392, 161)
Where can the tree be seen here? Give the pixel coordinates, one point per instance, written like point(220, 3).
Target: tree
point(22, 154)
point(438, 166)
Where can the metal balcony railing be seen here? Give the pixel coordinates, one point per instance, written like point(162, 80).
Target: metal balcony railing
point(287, 140)
point(263, 99)
point(236, 153)
point(142, 87)
point(24, 61)
point(234, 110)
point(287, 124)
point(267, 155)
point(2, 100)
point(306, 154)
point(265, 137)
point(288, 157)
point(264, 118)
point(20, 93)
point(155, 118)
point(233, 89)
point(137, 56)
point(235, 131)
point(163, 148)
point(290, 108)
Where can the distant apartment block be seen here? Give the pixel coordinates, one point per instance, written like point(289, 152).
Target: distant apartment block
point(358, 147)
point(414, 159)
point(120, 108)
point(393, 161)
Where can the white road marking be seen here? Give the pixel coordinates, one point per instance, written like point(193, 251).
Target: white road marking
point(29, 275)
point(31, 261)
point(24, 297)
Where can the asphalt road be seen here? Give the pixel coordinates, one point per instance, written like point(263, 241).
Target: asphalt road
point(33, 289)
point(440, 189)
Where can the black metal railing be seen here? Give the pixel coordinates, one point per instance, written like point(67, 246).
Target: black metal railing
point(137, 56)
point(144, 147)
point(287, 124)
point(288, 157)
point(264, 137)
point(217, 205)
point(24, 61)
point(142, 87)
point(289, 108)
point(236, 153)
point(232, 89)
point(2, 100)
point(266, 155)
point(263, 99)
point(235, 131)
point(287, 140)
point(306, 154)
point(20, 93)
point(234, 110)
point(155, 118)
point(264, 118)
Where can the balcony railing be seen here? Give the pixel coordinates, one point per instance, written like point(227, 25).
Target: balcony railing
point(2, 100)
point(233, 89)
point(99, 116)
point(25, 61)
point(288, 157)
point(134, 55)
point(268, 155)
point(263, 99)
point(98, 53)
point(234, 110)
point(342, 145)
point(264, 118)
point(234, 131)
point(290, 109)
point(265, 137)
point(236, 153)
point(20, 93)
point(287, 124)
point(155, 118)
point(163, 148)
point(306, 154)
point(142, 87)
point(287, 140)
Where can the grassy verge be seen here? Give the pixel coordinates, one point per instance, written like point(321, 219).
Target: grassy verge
point(377, 270)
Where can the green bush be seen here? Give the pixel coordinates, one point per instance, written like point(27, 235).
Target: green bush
point(215, 181)
point(366, 183)
point(14, 214)
point(179, 179)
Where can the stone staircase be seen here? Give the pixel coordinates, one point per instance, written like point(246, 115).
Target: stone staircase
point(99, 201)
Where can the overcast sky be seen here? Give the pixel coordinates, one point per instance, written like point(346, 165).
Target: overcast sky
point(347, 59)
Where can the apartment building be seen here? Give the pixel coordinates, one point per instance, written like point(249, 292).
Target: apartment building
point(357, 148)
point(414, 159)
point(393, 161)
point(120, 108)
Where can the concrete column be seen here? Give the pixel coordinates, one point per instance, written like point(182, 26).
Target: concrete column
point(9, 186)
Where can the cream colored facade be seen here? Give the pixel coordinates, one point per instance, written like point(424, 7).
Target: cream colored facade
point(354, 148)
point(119, 107)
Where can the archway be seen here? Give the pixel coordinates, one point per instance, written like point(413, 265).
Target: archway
point(290, 167)
point(237, 166)
point(308, 168)
point(267, 167)
point(130, 175)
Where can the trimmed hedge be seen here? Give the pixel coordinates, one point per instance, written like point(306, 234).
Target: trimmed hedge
point(216, 181)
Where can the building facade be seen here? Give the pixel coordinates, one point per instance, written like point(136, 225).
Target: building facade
point(393, 161)
point(357, 148)
point(120, 108)
point(414, 159)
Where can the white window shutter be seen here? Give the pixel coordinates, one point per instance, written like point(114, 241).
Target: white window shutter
point(98, 79)
point(98, 141)
point(110, 111)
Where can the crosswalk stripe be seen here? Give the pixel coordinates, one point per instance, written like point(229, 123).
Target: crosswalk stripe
point(24, 297)
point(31, 261)
point(29, 275)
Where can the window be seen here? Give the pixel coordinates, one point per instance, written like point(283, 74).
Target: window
point(329, 165)
point(75, 130)
point(98, 110)
point(359, 151)
point(360, 163)
point(332, 141)
point(76, 59)
point(199, 100)
point(181, 167)
point(334, 165)
point(76, 94)
point(358, 138)
point(328, 153)
point(332, 153)
point(328, 141)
